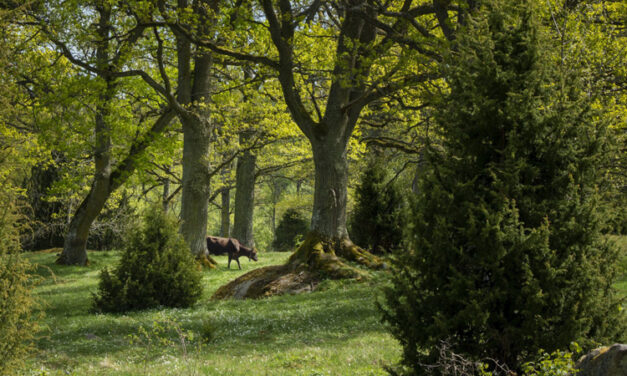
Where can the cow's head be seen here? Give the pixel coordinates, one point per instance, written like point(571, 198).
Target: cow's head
point(253, 254)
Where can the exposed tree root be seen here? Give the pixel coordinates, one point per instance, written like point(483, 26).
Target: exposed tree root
point(349, 251)
point(267, 281)
point(207, 262)
point(62, 260)
point(318, 255)
point(316, 259)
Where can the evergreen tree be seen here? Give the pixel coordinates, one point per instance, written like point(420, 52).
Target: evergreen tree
point(507, 255)
point(18, 324)
point(156, 269)
point(377, 220)
point(292, 226)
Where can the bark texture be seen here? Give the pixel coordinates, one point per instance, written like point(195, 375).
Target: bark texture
point(194, 92)
point(245, 197)
point(330, 193)
point(195, 182)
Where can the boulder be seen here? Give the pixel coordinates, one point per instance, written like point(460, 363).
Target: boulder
point(604, 361)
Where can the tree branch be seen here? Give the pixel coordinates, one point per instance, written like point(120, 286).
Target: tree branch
point(128, 164)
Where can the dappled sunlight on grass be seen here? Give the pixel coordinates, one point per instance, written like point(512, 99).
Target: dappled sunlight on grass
point(335, 330)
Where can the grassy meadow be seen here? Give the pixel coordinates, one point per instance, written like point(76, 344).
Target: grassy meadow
point(333, 331)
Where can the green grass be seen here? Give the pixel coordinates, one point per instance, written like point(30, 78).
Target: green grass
point(333, 331)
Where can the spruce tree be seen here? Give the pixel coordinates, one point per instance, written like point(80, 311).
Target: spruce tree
point(292, 226)
point(507, 255)
point(156, 269)
point(378, 218)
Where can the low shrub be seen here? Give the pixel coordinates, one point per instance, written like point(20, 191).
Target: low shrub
point(156, 269)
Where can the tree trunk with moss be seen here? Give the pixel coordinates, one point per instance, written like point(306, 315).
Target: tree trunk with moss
point(328, 238)
point(328, 130)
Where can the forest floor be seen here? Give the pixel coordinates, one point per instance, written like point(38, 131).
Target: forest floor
point(335, 330)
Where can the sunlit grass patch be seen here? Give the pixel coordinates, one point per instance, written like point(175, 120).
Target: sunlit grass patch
point(333, 331)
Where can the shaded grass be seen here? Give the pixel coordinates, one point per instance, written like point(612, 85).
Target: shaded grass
point(333, 331)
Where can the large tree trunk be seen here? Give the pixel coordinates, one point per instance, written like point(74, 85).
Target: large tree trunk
point(245, 198)
point(107, 179)
point(165, 195)
point(196, 176)
point(330, 193)
point(328, 238)
point(194, 92)
point(75, 244)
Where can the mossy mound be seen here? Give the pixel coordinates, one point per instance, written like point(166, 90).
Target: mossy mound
point(207, 262)
point(268, 281)
point(316, 259)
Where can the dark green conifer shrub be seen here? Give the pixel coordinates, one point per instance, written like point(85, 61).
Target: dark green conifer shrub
point(156, 269)
point(508, 256)
point(379, 215)
point(17, 323)
point(292, 226)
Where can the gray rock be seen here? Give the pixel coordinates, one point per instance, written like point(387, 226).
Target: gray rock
point(604, 361)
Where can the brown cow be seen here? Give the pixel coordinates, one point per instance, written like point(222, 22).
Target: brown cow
point(232, 246)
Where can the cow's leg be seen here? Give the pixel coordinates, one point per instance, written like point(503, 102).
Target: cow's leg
point(238, 265)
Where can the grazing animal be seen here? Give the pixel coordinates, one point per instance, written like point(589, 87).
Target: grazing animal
point(219, 246)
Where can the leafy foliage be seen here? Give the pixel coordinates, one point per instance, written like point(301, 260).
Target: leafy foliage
point(379, 215)
point(508, 252)
point(292, 226)
point(156, 269)
point(17, 324)
point(558, 363)
point(109, 230)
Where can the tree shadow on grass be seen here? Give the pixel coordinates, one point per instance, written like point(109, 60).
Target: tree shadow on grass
point(325, 318)
point(72, 335)
point(45, 267)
